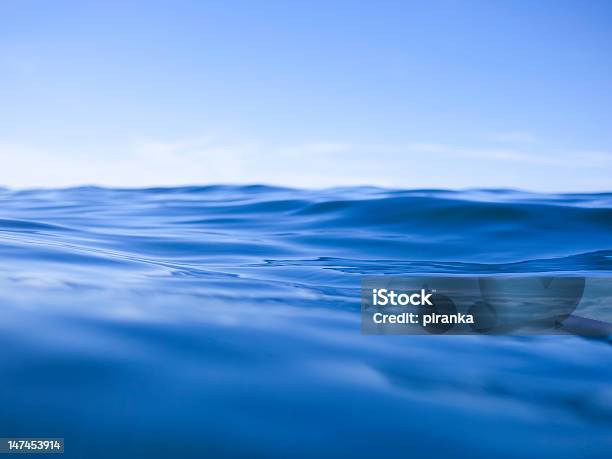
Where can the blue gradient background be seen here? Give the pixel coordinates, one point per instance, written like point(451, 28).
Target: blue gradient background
point(445, 94)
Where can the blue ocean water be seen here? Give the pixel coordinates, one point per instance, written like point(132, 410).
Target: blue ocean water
point(223, 321)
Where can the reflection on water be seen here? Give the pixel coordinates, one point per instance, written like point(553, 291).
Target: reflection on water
point(224, 322)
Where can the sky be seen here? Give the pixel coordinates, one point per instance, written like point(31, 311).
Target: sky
point(431, 94)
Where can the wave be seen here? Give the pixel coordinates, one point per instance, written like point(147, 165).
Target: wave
point(224, 319)
point(259, 223)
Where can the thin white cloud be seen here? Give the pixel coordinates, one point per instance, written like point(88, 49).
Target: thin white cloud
point(309, 165)
point(561, 159)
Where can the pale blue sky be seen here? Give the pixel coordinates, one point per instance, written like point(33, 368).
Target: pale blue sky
point(451, 94)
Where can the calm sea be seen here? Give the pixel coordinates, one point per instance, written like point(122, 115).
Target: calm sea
point(223, 321)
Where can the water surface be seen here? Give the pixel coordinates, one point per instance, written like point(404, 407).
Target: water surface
point(223, 321)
